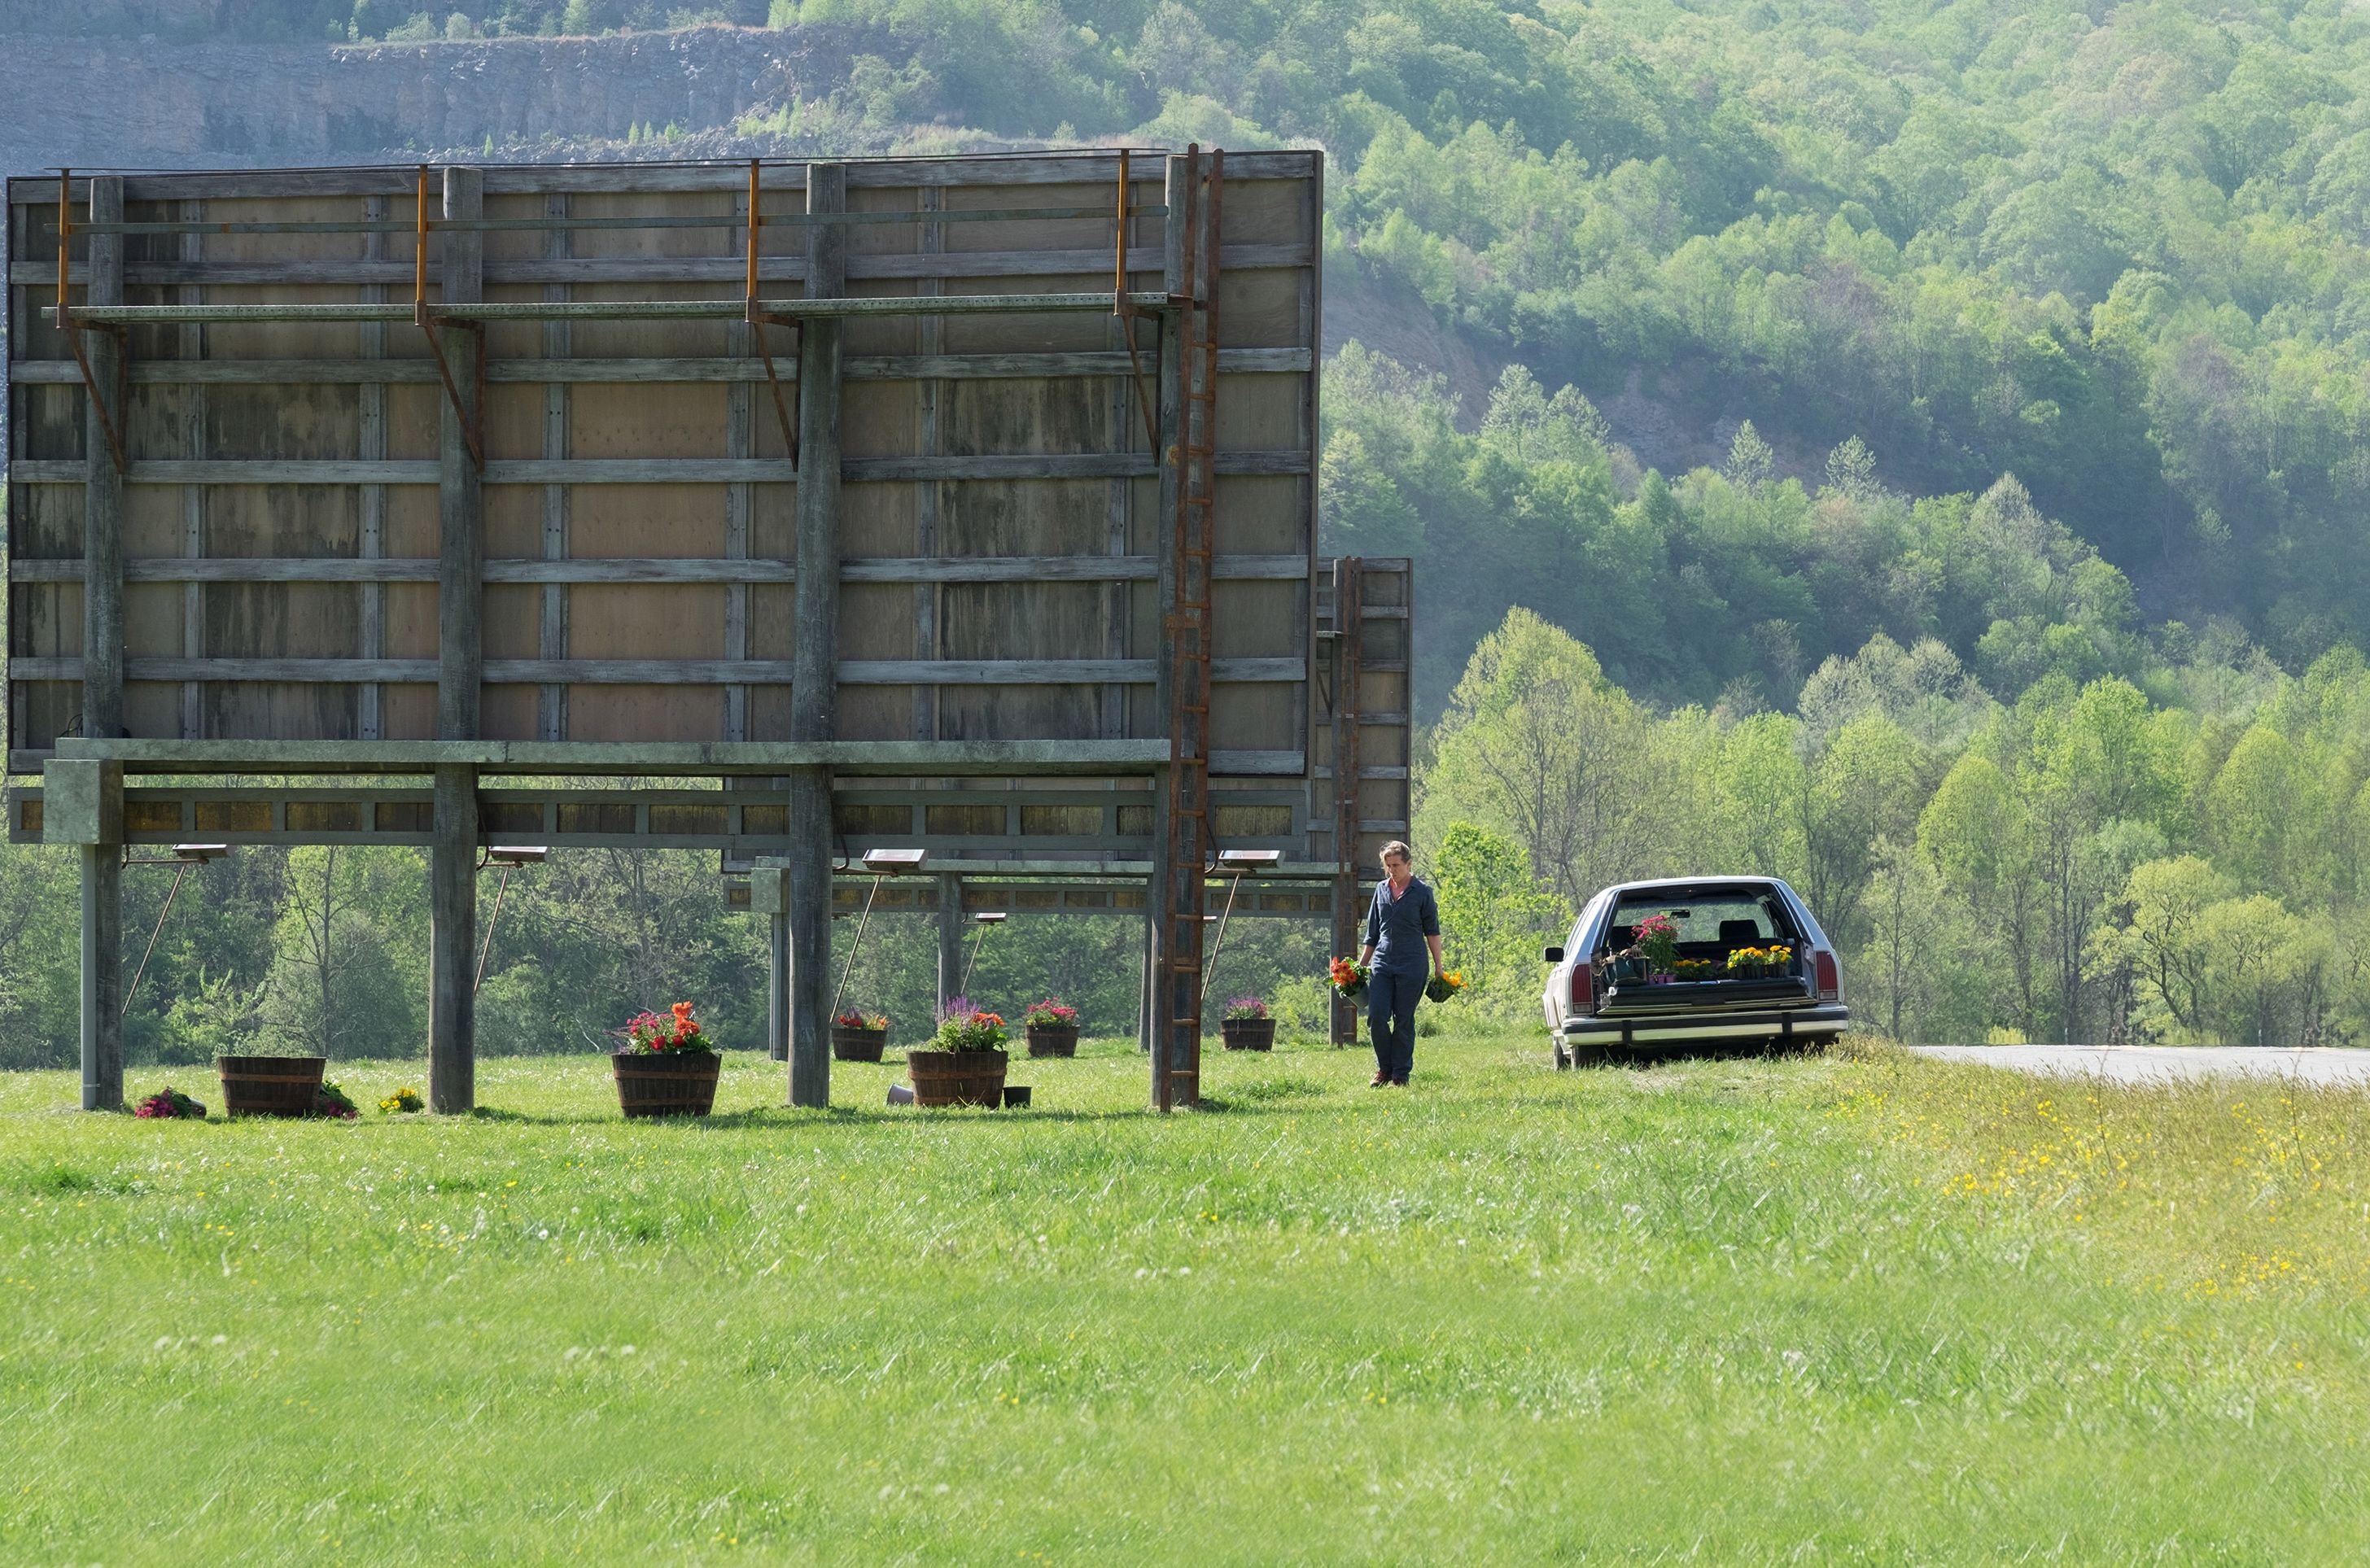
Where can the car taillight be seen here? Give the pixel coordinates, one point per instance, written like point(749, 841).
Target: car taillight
point(1831, 985)
point(1584, 988)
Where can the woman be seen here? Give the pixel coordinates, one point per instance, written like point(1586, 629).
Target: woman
point(1403, 923)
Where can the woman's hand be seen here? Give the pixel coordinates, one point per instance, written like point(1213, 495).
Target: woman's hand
point(1439, 964)
point(1365, 955)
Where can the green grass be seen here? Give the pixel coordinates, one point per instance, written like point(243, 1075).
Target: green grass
point(1861, 1310)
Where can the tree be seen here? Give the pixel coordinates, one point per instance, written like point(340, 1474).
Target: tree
point(1540, 745)
point(2165, 940)
point(1494, 912)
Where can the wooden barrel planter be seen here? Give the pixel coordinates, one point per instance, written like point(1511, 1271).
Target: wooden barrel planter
point(857, 1045)
point(269, 1086)
point(666, 1083)
point(1247, 1034)
point(958, 1077)
point(1052, 1039)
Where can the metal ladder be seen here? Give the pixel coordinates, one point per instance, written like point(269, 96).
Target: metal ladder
point(1191, 844)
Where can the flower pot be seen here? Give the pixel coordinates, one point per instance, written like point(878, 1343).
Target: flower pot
point(857, 1045)
point(1052, 1039)
point(1247, 1034)
point(269, 1086)
point(666, 1083)
point(958, 1077)
point(1016, 1095)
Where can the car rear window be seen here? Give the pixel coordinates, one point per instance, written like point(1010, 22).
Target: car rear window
point(1718, 917)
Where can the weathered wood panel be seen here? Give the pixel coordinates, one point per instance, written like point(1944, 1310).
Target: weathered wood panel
point(997, 512)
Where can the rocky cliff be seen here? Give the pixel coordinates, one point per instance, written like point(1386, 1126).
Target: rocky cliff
point(144, 104)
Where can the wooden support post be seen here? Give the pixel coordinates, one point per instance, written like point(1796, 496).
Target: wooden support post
point(452, 943)
point(778, 987)
point(460, 570)
point(950, 936)
point(460, 490)
point(1349, 653)
point(814, 677)
point(102, 671)
point(1144, 1033)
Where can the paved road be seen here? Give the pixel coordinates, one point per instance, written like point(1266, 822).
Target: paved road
point(2135, 1064)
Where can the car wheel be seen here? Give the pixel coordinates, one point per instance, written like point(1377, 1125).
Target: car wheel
point(1563, 1062)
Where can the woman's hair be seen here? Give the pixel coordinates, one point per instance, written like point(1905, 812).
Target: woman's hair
point(1399, 847)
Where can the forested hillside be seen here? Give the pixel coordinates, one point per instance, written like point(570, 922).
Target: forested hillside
point(2118, 253)
point(1905, 405)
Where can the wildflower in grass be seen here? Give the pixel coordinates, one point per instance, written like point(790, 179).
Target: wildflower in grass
point(334, 1101)
point(403, 1101)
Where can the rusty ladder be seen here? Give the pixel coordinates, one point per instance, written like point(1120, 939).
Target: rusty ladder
point(1191, 844)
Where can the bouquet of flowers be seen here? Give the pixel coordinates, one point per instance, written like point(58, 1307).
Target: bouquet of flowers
point(169, 1105)
point(1052, 1013)
point(335, 1102)
point(1657, 937)
point(962, 1027)
point(403, 1101)
point(649, 1035)
point(1244, 1008)
point(856, 1018)
point(1444, 985)
point(1348, 978)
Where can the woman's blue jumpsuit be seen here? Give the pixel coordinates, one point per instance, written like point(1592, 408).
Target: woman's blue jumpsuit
point(1396, 929)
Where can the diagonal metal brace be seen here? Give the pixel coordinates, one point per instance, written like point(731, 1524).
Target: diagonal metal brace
point(759, 319)
point(428, 321)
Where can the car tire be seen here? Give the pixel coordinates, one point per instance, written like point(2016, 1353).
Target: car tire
point(1562, 1061)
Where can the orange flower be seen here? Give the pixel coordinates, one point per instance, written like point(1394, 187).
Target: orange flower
point(682, 1012)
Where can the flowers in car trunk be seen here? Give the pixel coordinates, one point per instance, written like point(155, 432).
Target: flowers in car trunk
point(1695, 969)
point(1657, 937)
point(652, 1035)
point(962, 1027)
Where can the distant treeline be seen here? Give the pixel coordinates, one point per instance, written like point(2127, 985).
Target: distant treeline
point(2081, 863)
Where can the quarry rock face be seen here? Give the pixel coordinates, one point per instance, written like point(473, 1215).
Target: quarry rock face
point(147, 103)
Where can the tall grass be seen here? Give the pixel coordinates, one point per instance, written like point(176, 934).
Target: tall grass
point(1865, 1308)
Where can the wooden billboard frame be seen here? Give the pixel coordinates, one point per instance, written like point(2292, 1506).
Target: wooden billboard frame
point(461, 367)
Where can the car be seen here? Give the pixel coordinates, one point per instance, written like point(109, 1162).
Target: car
point(1753, 968)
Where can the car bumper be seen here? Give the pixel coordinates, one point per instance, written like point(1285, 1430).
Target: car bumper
point(1823, 1020)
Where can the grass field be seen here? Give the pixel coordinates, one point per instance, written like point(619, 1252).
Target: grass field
point(1869, 1308)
